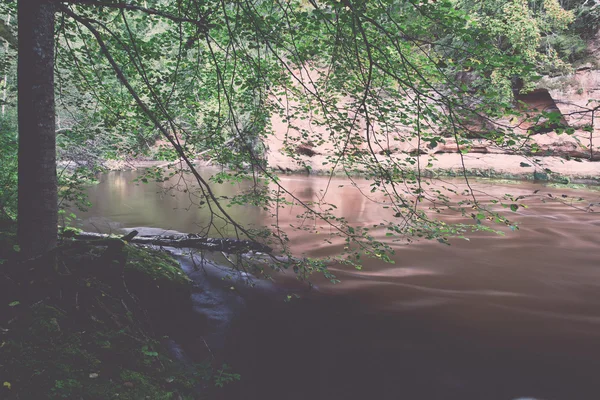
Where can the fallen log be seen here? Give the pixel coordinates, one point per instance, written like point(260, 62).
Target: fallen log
point(191, 240)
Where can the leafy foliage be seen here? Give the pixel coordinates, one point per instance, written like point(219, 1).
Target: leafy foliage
point(208, 78)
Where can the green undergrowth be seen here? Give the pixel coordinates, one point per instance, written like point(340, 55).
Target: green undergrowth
point(87, 322)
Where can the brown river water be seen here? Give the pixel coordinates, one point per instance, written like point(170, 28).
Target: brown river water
point(496, 317)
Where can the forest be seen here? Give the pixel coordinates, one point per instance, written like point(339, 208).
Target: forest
point(292, 199)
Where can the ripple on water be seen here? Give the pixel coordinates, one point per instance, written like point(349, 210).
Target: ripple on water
point(418, 304)
point(392, 272)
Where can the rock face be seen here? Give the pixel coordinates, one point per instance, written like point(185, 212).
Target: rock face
point(577, 97)
point(535, 104)
point(559, 130)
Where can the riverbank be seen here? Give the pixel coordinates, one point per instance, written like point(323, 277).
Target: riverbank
point(559, 158)
point(98, 322)
point(498, 166)
point(489, 166)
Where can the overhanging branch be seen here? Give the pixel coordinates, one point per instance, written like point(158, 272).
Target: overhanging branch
point(154, 118)
point(199, 22)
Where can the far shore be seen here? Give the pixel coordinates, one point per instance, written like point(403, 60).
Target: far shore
point(493, 166)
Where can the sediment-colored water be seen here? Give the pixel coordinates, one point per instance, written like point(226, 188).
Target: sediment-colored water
point(496, 317)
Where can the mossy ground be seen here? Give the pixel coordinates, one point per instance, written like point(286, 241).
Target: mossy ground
point(82, 324)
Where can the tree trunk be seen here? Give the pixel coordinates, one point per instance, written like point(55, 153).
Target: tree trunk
point(38, 199)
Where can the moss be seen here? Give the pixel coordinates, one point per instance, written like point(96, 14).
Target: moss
point(46, 321)
point(473, 173)
point(156, 265)
point(44, 357)
point(89, 333)
point(540, 176)
point(157, 279)
point(578, 186)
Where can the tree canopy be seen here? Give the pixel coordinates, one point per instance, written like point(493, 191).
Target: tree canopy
point(208, 77)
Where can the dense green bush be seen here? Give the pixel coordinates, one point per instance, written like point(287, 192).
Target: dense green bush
point(569, 46)
point(587, 18)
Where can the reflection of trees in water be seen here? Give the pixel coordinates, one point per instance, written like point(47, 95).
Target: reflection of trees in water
point(353, 204)
point(118, 203)
point(308, 193)
point(348, 201)
point(169, 205)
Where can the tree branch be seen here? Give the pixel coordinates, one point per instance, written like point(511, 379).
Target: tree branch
point(151, 115)
point(199, 22)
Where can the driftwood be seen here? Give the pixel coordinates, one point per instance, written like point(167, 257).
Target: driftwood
point(192, 241)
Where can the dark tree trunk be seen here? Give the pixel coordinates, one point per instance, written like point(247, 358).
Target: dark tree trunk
point(38, 200)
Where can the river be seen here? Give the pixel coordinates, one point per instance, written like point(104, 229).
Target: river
point(496, 317)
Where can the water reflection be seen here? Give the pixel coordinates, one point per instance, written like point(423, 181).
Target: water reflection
point(119, 202)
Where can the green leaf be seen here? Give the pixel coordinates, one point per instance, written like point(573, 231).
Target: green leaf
point(148, 352)
point(514, 207)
